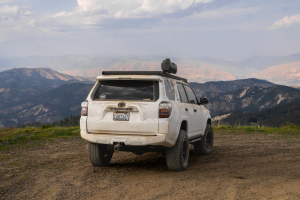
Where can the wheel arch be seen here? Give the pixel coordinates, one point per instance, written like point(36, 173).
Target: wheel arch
point(208, 121)
point(183, 125)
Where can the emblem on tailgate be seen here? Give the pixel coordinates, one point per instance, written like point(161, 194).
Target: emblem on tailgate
point(121, 104)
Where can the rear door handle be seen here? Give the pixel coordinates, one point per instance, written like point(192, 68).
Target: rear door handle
point(195, 110)
point(186, 109)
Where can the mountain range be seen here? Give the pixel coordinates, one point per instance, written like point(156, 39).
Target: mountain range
point(39, 94)
point(37, 77)
point(45, 95)
point(248, 95)
point(284, 70)
point(50, 106)
point(252, 99)
point(279, 115)
point(20, 84)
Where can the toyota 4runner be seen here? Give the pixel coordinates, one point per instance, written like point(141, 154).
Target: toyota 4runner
point(142, 111)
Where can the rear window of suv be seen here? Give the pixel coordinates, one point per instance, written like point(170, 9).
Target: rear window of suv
point(128, 90)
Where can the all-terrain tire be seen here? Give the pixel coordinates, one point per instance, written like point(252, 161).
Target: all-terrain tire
point(177, 157)
point(205, 145)
point(99, 155)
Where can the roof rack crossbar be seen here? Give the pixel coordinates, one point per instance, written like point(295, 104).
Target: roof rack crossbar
point(159, 73)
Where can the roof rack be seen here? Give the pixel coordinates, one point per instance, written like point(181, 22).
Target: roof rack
point(159, 73)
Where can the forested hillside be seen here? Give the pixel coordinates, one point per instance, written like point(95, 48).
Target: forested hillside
point(276, 116)
point(40, 94)
point(53, 105)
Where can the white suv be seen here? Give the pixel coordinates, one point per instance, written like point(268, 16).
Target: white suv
point(140, 111)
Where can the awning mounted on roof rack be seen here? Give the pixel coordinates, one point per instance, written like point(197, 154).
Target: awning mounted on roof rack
point(167, 66)
point(158, 73)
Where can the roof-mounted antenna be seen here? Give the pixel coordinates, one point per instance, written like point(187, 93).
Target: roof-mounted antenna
point(168, 67)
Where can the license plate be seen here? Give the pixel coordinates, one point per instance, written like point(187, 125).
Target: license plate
point(121, 116)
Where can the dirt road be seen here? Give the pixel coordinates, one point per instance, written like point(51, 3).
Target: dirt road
point(242, 166)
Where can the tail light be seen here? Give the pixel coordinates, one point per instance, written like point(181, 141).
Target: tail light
point(84, 108)
point(165, 109)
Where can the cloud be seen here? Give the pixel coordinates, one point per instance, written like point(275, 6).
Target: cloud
point(286, 21)
point(27, 13)
point(93, 11)
point(32, 23)
point(223, 12)
point(12, 12)
point(5, 1)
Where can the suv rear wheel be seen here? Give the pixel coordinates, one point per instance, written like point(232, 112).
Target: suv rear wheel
point(205, 145)
point(178, 156)
point(99, 154)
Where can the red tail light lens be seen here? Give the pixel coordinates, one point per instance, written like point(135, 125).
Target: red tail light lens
point(165, 109)
point(84, 111)
point(84, 108)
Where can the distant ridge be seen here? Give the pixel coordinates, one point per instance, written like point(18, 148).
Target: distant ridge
point(197, 69)
point(18, 85)
point(37, 77)
point(227, 86)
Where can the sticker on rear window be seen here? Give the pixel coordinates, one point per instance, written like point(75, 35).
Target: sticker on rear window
point(102, 96)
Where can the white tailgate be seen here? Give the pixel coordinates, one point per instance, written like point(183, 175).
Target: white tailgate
point(143, 119)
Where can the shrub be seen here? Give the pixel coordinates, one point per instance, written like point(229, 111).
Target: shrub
point(44, 126)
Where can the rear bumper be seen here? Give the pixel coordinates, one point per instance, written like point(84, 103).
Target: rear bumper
point(132, 140)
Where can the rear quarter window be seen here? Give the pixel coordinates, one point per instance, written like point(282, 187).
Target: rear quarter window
point(182, 94)
point(169, 87)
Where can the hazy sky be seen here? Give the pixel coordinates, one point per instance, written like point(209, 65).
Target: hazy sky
point(228, 29)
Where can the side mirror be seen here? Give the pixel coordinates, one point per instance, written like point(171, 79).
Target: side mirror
point(203, 101)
